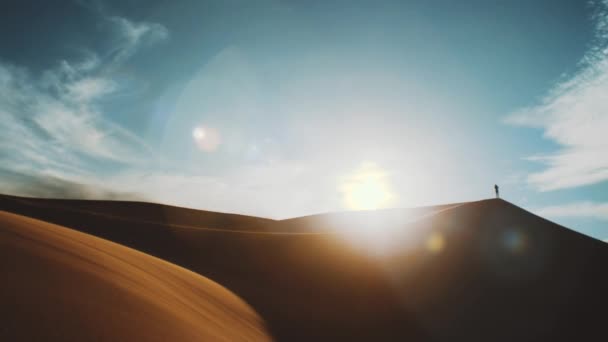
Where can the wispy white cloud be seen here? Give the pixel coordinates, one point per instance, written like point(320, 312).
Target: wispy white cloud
point(133, 35)
point(55, 124)
point(89, 88)
point(575, 116)
point(585, 209)
point(52, 126)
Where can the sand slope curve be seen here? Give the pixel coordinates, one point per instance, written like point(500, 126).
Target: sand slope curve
point(60, 284)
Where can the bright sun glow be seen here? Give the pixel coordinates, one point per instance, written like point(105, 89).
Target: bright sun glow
point(367, 189)
point(378, 233)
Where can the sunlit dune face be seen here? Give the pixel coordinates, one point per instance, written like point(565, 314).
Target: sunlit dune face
point(207, 139)
point(367, 188)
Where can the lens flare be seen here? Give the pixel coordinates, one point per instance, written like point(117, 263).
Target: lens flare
point(207, 139)
point(435, 243)
point(515, 241)
point(198, 133)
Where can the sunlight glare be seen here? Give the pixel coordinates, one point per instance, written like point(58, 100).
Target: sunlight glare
point(367, 189)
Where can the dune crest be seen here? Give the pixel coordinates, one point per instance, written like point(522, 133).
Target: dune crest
point(60, 284)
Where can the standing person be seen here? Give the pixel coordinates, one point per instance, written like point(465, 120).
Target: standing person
point(497, 191)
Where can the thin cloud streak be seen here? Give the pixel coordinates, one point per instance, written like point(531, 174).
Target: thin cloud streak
point(587, 209)
point(133, 35)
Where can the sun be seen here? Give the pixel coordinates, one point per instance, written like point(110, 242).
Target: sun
point(367, 188)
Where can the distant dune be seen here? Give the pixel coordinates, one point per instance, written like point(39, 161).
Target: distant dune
point(478, 271)
point(62, 285)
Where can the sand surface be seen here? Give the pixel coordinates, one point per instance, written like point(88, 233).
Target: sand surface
point(62, 285)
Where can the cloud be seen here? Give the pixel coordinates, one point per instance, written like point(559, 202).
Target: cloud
point(594, 210)
point(54, 132)
point(574, 115)
point(129, 35)
point(58, 123)
point(90, 88)
point(133, 35)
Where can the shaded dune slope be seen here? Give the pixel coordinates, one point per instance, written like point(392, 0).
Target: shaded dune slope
point(499, 273)
point(503, 274)
point(62, 285)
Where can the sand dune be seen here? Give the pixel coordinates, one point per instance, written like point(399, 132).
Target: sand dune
point(479, 271)
point(62, 285)
point(306, 287)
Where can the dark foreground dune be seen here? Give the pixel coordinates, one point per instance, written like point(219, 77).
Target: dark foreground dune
point(62, 285)
point(479, 271)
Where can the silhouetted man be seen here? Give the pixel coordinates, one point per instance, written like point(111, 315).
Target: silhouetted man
point(496, 191)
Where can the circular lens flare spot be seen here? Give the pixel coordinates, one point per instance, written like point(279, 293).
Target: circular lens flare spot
point(435, 243)
point(198, 133)
point(207, 139)
point(515, 241)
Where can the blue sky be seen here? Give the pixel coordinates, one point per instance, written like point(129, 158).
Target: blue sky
point(284, 108)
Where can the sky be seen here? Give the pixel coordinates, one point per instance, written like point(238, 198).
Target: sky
point(288, 108)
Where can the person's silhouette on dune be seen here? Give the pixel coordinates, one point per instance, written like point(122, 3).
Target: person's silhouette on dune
point(496, 190)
